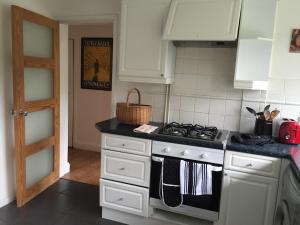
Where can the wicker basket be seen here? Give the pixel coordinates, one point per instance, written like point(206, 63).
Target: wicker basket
point(133, 114)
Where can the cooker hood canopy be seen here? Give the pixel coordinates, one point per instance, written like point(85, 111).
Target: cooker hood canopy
point(212, 22)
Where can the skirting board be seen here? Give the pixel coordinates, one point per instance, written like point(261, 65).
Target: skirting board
point(158, 217)
point(89, 147)
point(7, 200)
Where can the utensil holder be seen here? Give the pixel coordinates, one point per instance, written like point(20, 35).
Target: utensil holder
point(263, 127)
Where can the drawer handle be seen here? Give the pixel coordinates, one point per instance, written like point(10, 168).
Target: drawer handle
point(123, 145)
point(120, 199)
point(122, 168)
point(166, 150)
point(249, 165)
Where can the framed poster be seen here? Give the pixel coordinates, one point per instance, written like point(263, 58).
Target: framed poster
point(295, 41)
point(96, 63)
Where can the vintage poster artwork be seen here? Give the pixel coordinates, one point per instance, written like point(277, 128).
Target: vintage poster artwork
point(295, 41)
point(96, 63)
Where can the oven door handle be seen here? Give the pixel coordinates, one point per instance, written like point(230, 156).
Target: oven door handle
point(157, 159)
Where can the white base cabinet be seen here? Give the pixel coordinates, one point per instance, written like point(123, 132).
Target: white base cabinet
point(144, 56)
point(247, 199)
point(249, 189)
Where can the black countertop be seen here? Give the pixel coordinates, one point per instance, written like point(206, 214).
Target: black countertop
point(276, 149)
point(112, 126)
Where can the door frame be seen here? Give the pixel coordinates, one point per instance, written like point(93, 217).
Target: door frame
point(100, 19)
point(70, 145)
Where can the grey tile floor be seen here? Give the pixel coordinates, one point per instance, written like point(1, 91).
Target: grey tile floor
point(64, 203)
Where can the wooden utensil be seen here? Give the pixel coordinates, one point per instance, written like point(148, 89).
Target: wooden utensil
point(274, 114)
point(267, 115)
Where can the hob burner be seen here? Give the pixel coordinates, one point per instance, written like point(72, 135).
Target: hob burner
point(190, 131)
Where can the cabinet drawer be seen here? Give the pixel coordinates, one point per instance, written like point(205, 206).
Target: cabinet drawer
point(137, 146)
point(125, 167)
point(124, 197)
point(251, 163)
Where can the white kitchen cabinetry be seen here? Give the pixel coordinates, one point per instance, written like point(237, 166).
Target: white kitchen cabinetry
point(144, 56)
point(203, 20)
point(125, 167)
point(248, 198)
point(255, 44)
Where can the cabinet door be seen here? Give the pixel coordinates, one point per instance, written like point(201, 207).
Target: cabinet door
point(247, 199)
point(257, 19)
point(253, 64)
point(142, 50)
point(203, 20)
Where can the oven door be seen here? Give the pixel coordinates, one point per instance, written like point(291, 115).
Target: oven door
point(201, 206)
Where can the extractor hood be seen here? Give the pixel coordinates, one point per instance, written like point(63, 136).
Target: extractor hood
point(203, 20)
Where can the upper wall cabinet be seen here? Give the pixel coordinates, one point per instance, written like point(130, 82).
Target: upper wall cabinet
point(144, 56)
point(255, 44)
point(203, 20)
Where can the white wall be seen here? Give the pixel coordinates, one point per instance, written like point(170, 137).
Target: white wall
point(90, 106)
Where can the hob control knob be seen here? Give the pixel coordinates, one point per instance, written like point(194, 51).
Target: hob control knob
point(203, 156)
point(185, 152)
point(166, 150)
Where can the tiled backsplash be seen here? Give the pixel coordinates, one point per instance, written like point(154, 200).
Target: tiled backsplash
point(203, 92)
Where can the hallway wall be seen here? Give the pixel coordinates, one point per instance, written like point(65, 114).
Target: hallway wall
point(90, 106)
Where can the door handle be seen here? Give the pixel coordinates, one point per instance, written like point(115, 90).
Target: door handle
point(23, 113)
point(15, 112)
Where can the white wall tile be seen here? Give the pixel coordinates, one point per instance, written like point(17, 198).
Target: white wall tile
point(147, 99)
point(190, 66)
point(232, 123)
point(158, 114)
point(234, 94)
point(192, 53)
point(251, 95)
point(233, 107)
point(216, 120)
point(204, 83)
point(292, 87)
point(202, 105)
point(187, 104)
point(217, 106)
point(247, 124)
point(253, 105)
point(203, 92)
point(174, 116)
point(186, 117)
point(175, 102)
point(180, 52)
point(290, 111)
point(159, 101)
point(292, 99)
point(179, 65)
point(201, 119)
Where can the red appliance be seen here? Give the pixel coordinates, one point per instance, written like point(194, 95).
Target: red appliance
point(289, 132)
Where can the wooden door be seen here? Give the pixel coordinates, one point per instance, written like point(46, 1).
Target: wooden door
point(247, 199)
point(35, 50)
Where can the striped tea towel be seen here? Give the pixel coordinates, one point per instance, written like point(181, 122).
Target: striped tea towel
point(196, 178)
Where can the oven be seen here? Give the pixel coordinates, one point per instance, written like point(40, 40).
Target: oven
point(199, 206)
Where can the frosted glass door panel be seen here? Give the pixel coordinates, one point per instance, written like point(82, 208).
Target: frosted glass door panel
point(39, 44)
point(38, 125)
point(38, 84)
point(39, 165)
